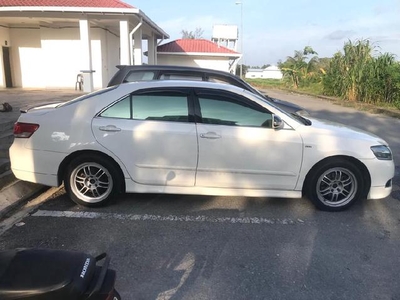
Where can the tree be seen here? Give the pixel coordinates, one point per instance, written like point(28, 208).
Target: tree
point(197, 34)
point(300, 67)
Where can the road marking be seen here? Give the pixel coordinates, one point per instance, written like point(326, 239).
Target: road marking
point(168, 218)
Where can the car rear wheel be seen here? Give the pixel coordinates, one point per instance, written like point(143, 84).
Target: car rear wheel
point(91, 180)
point(335, 185)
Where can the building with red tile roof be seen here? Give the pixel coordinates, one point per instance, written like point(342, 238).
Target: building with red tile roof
point(47, 43)
point(197, 53)
point(67, 3)
point(194, 46)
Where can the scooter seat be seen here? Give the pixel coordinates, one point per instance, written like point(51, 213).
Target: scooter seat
point(42, 274)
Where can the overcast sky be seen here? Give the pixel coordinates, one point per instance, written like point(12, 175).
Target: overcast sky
point(274, 29)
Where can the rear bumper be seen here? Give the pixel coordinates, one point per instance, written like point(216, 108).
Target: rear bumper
point(45, 179)
point(35, 166)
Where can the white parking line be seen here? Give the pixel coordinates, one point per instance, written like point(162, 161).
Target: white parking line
point(168, 218)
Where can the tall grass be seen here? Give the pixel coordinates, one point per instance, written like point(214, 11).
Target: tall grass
point(357, 75)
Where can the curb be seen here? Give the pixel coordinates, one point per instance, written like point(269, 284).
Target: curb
point(16, 194)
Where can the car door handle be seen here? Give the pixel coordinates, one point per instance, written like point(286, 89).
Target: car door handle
point(210, 135)
point(109, 128)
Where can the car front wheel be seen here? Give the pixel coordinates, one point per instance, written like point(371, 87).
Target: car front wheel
point(91, 180)
point(335, 185)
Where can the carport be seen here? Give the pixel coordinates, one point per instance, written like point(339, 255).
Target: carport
point(48, 43)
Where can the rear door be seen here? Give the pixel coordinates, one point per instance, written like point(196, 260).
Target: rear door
point(153, 134)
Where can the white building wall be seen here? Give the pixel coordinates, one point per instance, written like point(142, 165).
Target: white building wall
point(60, 57)
point(216, 63)
point(265, 74)
point(26, 58)
point(273, 74)
point(50, 58)
point(253, 74)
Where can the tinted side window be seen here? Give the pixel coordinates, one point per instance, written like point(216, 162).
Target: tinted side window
point(226, 111)
point(121, 110)
point(139, 76)
point(169, 107)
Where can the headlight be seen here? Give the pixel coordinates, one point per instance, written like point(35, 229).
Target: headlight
point(382, 152)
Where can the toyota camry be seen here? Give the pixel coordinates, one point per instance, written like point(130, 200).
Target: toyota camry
point(202, 138)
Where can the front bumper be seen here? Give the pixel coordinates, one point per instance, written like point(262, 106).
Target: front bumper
point(381, 173)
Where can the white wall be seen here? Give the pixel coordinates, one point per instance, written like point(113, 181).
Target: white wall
point(51, 58)
point(26, 60)
point(216, 63)
point(265, 74)
point(61, 57)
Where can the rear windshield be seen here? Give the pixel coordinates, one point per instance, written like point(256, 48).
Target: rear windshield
point(87, 96)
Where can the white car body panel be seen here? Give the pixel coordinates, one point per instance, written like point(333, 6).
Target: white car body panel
point(155, 153)
point(248, 157)
point(155, 162)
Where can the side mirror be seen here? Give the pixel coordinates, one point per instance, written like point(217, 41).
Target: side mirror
point(277, 122)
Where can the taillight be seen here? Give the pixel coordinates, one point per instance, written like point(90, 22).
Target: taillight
point(24, 130)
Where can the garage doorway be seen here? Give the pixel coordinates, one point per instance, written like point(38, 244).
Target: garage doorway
point(7, 66)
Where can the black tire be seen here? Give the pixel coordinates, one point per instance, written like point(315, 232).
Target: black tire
point(91, 180)
point(335, 185)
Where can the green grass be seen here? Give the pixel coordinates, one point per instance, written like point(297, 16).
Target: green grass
point(312, 88)
point(266, 83)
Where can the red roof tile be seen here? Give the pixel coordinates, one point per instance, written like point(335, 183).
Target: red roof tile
point(193, 46)
point(67, 3)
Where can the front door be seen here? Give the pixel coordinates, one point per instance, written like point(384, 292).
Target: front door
point(152, 135)
point(238, 148)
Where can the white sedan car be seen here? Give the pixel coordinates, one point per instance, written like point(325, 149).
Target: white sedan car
point(183, 137)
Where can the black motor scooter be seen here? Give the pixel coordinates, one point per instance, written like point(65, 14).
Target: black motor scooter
point(42, 274)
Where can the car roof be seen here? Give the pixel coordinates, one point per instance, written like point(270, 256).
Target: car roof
point(139, 85)
point(171, 68)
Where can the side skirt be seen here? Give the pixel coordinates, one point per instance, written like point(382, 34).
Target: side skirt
point(132, 187)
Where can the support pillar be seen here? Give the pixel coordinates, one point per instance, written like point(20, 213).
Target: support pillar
point(124, 43)
point(86, 56)
point(152, 51)
point(137, 52)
